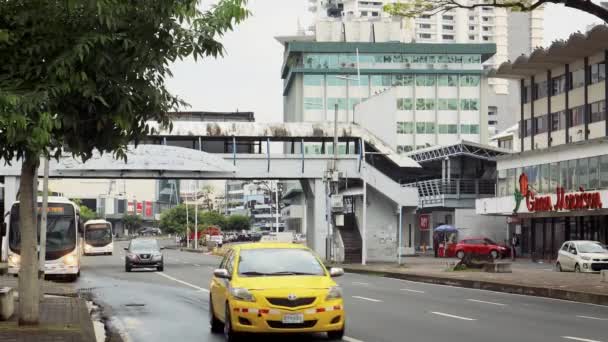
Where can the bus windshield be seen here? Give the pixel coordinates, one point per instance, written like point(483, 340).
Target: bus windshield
point(60, 231)
point(98, 234)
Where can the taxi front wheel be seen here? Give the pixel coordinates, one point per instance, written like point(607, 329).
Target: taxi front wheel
point(229, 333)
point(335, 335)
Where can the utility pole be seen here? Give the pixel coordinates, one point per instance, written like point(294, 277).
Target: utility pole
point(277, 203)
point(196, 216)
point(187, 221)
point(43, 221)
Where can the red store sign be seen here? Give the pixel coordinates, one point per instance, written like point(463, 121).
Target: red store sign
point(424, 222)
point(572, 201)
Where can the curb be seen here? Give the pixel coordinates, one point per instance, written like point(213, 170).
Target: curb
point(574, 296)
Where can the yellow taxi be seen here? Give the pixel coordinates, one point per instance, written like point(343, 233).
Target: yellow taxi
point(275, 288)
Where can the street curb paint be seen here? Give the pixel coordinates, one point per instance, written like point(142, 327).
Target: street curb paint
point(575, 296)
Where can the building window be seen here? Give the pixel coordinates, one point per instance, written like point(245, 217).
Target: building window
point(447, 80)
point(404, 148)
point(341, 102)
point(405, 127)
point(364, 13)
point(381, 80)
point(598, 111)
point(604, 171)
point(582, 170)
point(594, 175)
point(313, 103)
point(425, 16)
point(471, 18)
point(486, 38)
point(424, 36)
point(469, 81)
point(425, 104)
point(487, 28)
point(448, 17)
point(577, 78)
point(469, 104)
point(526, 128)
point(577, 116)
point(471, 28)
point(336, 80)
point(405, 104)
point(403, 80)
point(425, 26)
point(485, 19)
point(558, 121)
point(469, 129)
point(554, 181)
point(447, 104)
point(558, 85)
point(527, 92)
point(572, 179)
point(540, 124)
point(425, 80)
point(597, 72)
point(448, 27)
point(374, 14)
point(448, 37)
point(540, 90)
point(313, 80)
point(471, 37)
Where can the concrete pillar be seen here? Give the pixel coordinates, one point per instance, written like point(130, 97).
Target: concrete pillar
point(316, 222)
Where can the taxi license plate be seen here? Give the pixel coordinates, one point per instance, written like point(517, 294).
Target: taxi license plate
point(293, 318)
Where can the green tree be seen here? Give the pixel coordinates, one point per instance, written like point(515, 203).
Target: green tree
point(211, 218)
point(85, 212)
point(132, 222)
point(173, 221)
point(238, 222)
point(79, 76)
point(415, 8)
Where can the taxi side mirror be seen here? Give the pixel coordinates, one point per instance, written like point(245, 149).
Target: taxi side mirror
point(336, 272)
point(221, 273)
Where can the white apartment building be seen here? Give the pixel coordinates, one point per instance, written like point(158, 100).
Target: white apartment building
point(560, 169)
point(513, 33)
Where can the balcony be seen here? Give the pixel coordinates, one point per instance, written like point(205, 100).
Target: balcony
point(454, 193)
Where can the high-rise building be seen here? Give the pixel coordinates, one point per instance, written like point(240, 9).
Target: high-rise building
point(514, 34)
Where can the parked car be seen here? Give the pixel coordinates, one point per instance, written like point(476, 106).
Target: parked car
point(582, 256)
point(144, 253)
point(480, 246)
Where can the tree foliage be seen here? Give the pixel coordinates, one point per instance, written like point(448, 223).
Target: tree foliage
point(87, 214)
point(174, 220)
point(132, 222)
point(86, 75)
point(238, 223)
point(415, 8)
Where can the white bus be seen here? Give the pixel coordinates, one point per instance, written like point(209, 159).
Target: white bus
point(98, 237)
point(63, 243)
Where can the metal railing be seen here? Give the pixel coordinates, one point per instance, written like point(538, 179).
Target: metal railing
point(457, 188)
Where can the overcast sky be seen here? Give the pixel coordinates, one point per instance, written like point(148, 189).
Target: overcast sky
point(248, 77)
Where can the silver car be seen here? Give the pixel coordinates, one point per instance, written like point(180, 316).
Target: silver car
point(582, 256)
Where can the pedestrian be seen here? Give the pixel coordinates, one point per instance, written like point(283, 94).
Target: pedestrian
point(514, 244)
point(436, 244)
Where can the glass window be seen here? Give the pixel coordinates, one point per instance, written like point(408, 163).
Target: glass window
point(597, 72)
point(453, 104)
point(313, 80)
point(469, 81)
point(543, 185)
point(604, 171)
point(598, 111)
point(405, 128)
point(268, 261)
point(577, 78)
point(565, 180)
point(430, 128)
point(336, 80)
point(532, 173)
point(453, 129)
point(332, 101)
point(541, 124)
point(313, 103)
point(465, 129)
point(558, 85)
point(404, 104)
point(447, 80)
point(381, 80)
point(594, 180)
point(582, 171)
point(425, 104)
point(425, 80)
point(408, 80)
point(577, 116)
point(558, 121)
point(469, 104)
point(502, 183)
point(443, 129)
point(572, 176)
point(511, 174)
point(420, 127)
point(474, 129)
point(554, 176)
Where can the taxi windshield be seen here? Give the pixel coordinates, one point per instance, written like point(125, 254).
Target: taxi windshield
point(277, 262)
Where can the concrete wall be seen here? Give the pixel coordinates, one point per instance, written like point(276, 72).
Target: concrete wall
point(382, 221)
point(471, 224)
point(369, 112)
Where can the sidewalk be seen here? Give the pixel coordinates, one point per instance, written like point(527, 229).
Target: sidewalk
point(527, 278)
point(63, 317)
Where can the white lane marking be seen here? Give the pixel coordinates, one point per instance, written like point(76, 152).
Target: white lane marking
point(484, 302)
point(182, 282)
point(453, 316)
point(350, 339)
point(579, 339)
point(410, 290)
point(197, 265)
point(595, 318)
point(359, 283)
point(368, 299)
point(492, 292)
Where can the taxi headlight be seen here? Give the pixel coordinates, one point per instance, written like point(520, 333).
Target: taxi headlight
point(334, 293)
point(240, 293)
point(14, 259)
point(70, 260)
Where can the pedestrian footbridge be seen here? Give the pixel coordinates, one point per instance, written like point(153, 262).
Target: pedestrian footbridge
point(243, 150)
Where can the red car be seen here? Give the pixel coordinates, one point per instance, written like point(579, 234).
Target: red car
point(480, 245)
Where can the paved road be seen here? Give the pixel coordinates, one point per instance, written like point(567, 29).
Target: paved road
point(152, 306)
